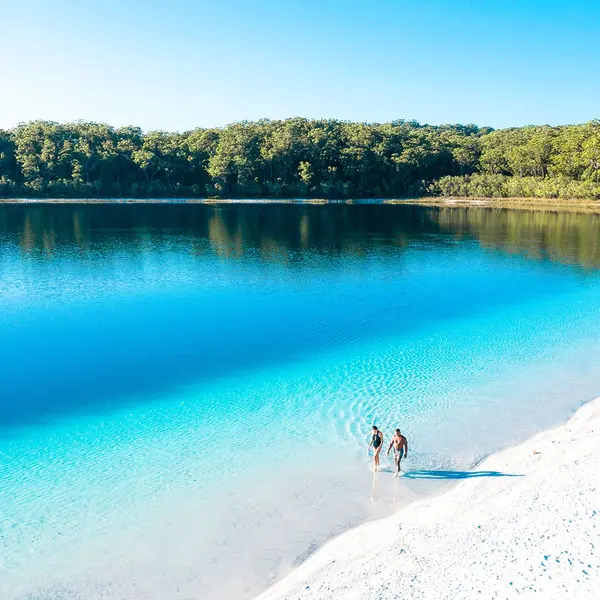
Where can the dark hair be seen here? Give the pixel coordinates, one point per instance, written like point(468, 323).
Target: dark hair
point(375, 427)
point(397, 431)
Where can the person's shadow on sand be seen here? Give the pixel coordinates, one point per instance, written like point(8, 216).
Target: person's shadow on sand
point(456, 474)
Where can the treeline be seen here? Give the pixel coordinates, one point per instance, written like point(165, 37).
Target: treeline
point(545, 162)
point(300, 158)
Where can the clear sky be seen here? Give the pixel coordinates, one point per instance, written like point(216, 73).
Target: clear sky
point(184, 63)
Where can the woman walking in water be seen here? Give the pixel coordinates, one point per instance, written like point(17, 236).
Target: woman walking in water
point(377, 443)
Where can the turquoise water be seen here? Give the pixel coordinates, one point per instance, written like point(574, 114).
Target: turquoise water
point(188, 390)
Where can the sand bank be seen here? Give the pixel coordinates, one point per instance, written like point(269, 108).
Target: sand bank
point(525, 522)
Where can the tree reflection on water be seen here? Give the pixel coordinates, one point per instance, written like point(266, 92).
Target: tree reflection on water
point(275, 232)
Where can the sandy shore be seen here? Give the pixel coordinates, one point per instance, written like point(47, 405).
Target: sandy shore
point(525, 523)
point(554, 204)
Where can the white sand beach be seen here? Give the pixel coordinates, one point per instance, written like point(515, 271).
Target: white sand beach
point(524, 523)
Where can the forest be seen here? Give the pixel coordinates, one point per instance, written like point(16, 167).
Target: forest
point(299, 157)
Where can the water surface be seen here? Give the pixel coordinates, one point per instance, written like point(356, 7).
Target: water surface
point(187, 390)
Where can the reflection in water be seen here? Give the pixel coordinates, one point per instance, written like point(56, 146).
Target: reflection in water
point(560, 236)
point(375, 491)
point(275, 231)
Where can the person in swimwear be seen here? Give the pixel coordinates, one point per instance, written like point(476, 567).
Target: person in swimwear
point(377, 443)
point(400, 445)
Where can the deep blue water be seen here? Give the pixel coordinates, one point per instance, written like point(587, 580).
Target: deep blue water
point(176, 376)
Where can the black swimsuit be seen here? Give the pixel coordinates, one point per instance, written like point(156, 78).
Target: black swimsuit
point(376, 440)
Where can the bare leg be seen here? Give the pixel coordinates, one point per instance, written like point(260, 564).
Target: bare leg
point(376, 458)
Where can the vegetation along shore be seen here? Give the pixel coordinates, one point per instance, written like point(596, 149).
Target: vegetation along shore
point(301, 158)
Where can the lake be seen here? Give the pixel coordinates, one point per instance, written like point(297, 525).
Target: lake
point(188, 390)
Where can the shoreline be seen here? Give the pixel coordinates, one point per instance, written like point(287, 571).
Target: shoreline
point(523, 521)
point(525, 204)
point(558, 204)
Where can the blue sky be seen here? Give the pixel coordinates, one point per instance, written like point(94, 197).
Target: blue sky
point(180, 64)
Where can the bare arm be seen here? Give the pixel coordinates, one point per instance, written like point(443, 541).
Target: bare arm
point(405, 447)
point(390, 446)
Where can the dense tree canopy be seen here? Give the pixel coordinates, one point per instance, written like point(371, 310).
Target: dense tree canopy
point(300, 158)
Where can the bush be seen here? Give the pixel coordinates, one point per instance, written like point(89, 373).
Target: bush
point(502, 186)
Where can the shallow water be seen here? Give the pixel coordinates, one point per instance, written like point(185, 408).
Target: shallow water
point(187, 390)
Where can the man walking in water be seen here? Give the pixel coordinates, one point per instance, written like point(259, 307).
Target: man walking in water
point(400, 444)
point(377, 443)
